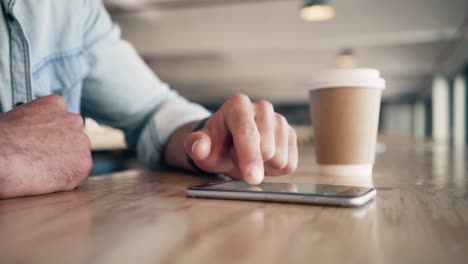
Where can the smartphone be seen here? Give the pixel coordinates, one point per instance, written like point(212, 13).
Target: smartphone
point(304, 193)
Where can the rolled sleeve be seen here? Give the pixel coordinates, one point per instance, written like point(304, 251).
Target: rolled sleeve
point(120, 90)
point(172, 115)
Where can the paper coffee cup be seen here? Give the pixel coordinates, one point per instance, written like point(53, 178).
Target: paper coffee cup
point(345, 106)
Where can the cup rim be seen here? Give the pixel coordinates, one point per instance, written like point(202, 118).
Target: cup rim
point(350, 78)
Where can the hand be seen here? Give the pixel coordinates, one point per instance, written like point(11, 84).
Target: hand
point(43, 149)
point(245, 140)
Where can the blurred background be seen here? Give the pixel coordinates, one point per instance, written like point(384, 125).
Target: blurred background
point(268, 49)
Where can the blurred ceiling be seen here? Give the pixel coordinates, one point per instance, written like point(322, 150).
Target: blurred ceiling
point(209, 49)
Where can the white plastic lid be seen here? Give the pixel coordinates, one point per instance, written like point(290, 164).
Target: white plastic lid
point(368, 78)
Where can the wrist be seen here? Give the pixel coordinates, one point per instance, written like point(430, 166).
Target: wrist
point(174, 152)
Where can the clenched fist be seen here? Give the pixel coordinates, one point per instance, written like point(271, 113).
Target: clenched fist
point(43, 149)
point(245, 140)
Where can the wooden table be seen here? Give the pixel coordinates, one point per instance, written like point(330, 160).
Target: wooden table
point(420, 216)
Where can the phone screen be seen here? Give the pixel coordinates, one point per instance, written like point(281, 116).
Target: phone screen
point(290, 188)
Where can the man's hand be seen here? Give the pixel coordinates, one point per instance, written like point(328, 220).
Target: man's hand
point(43, 149)
point(245, 140)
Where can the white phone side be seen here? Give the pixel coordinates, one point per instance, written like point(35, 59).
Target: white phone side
point(284, 197)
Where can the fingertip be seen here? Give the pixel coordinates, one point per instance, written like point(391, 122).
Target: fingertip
point(255, 175)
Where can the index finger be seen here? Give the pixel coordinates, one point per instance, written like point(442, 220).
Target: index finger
point(240, 120)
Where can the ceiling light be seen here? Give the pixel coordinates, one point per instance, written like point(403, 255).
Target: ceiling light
point(317, 10)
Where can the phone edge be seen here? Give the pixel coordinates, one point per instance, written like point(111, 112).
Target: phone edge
point(273, 197)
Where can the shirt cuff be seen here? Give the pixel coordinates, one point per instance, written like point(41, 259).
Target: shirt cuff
point(160, 127)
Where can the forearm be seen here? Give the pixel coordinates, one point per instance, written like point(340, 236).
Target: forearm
point(174, 153)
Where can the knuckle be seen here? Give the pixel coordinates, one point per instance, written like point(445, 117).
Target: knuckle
point(75, 120)
point(54, 99)
point(238, 105)
point(81, 141)
point(265, 105)
point(239, 98)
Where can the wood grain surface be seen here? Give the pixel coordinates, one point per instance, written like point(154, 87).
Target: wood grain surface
point(420, 215)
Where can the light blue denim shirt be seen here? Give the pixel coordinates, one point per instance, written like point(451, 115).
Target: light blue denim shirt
point(72, 48)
